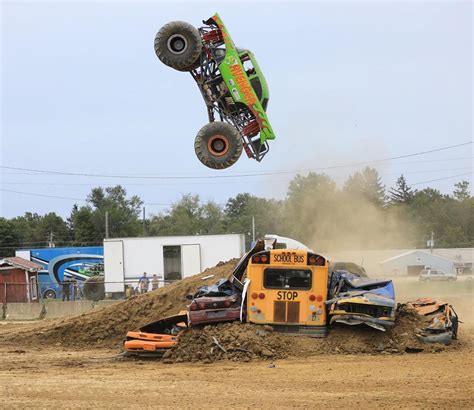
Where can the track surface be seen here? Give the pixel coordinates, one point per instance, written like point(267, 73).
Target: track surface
point(39, 375)
point(62, 378)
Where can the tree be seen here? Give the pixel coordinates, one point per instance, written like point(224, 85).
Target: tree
point(82, 228)
point(462, 191)
point(240, 210)
point(401, 193)
point(88, 222)
point(9, 239)
point(212, 219)
point(184, 218)
point(52, 226)
point(367, 184)
point(26, 229)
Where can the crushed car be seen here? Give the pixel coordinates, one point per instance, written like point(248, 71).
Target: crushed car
point(232, 85)
point(224, 301)
point(357, 300)
point(442, 321)
point(155, 338)
point(221, 302)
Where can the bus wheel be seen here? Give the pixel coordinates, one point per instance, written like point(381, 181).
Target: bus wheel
point(218, 145)
point(50, 294)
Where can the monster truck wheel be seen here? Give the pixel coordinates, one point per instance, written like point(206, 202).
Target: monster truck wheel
point(94, 288)
point(178, 45)
point(218, 145)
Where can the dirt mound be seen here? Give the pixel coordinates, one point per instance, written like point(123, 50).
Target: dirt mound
point(107, 326)
point(245, 342)
point(234, 341)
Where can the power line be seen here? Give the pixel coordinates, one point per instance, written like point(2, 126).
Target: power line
point(184, 173)
point(440, 179)
point(235, 175)
point(42, 195)
point(169, 204)
point(65, 197)
point(89, 184)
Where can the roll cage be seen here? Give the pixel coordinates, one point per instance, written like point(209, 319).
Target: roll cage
point(227, 102)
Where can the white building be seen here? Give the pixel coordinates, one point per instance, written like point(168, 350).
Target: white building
point(169, 257)
point(373, 260)
point(412, 262)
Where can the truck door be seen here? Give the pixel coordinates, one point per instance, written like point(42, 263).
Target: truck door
point(191, 260)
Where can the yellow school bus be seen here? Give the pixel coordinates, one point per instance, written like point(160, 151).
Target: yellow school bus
point(287, 289)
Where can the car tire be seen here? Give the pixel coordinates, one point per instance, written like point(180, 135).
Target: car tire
point(49, 294)
point(178, 45)
point(218, 145)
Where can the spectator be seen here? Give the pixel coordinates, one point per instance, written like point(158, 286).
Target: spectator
point(154, 282)
point(80, 294)
point(143, 283)
point(66, 288)
point(74, 289)
point(128, 291)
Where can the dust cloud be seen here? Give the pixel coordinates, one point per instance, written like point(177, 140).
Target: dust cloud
point(341, 221)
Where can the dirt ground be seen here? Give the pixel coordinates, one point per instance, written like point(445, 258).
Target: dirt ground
point(64, 378)
point(92, 375)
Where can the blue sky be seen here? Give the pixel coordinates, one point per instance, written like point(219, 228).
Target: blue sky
point(83, 92)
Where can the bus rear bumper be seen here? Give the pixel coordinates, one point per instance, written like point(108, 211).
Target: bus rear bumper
point(298, 330)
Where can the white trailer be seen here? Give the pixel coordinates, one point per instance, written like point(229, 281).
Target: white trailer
point(169, 257)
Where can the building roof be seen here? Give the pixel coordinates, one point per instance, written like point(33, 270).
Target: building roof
point(415, 251)
point(18, 262)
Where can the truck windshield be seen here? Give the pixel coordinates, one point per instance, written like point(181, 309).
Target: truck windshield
point(257, 87)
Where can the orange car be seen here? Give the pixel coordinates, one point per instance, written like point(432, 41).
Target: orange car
point(154, 338)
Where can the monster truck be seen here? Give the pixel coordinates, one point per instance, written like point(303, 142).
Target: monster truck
point(232, 85)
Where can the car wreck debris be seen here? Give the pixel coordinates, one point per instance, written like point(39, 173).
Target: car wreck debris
point(441, 320)
point(356, 300)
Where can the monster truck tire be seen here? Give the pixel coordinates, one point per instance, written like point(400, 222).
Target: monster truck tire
point(178, 45)
point(218, 145)
point(94, 288)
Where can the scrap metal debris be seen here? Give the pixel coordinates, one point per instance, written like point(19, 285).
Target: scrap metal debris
point(154, 338)
point(442, 320)
point(356, 300)
point(216, 342)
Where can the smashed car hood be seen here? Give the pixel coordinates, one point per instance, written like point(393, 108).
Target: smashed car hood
point(355, 300)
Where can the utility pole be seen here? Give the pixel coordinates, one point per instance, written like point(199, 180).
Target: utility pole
point(144, 222)
point(253, 229)
point(430, 242)
point(106, 224)
point(51, 243)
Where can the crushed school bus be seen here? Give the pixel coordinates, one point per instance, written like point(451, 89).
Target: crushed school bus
point(287, 289)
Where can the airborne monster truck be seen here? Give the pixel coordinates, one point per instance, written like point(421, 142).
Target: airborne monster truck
point(232, 85)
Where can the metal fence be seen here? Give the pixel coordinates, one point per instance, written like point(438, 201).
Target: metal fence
point(72, 290)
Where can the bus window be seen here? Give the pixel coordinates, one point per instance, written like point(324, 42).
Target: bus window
point(287, 278)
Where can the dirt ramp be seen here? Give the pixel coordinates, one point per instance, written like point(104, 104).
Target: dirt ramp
point(107, 326)
point(244, 342)
point(229, 341)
